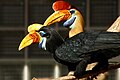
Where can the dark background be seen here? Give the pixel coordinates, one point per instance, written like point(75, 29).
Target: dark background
point(16, 15)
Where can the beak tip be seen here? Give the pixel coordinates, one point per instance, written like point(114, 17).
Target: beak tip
point(19, 48)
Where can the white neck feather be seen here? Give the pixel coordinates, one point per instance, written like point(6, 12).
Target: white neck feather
point(44, 43)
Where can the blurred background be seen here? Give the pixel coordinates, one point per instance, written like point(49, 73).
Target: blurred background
point(16, 15)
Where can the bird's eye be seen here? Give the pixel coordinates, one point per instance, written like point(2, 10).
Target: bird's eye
point(42, 33)
point(72, 11)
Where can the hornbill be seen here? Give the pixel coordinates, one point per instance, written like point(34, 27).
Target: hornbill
point(80, 50)
point(74, 20)
point(72, 15)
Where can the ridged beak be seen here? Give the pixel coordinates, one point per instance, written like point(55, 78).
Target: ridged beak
point(57, 16)
point(32, 37)
point(34, 27)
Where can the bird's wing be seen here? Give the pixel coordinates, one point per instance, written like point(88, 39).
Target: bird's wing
point(76, 48)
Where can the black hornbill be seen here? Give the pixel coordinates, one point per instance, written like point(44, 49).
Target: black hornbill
point(80, 50)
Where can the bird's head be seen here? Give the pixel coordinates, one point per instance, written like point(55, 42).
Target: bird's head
point(44, 36)
point(72, 19)
point(32, 37)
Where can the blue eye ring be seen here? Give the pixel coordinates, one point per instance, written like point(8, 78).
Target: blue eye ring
point(42, 33)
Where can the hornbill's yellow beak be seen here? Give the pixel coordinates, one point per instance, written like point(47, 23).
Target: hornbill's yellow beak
point(34, 27)
point(57, 16)
point(32, 37)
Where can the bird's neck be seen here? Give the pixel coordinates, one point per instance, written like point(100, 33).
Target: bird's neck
point(78, 26)
point(55, 41)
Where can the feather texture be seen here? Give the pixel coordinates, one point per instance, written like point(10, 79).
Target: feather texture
point(88, 43)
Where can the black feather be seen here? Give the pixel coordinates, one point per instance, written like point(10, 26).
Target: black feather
point(86, 43)
point(84, 48)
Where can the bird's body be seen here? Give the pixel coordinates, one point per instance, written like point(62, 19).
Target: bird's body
point(82, 49)
point(89, 43)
